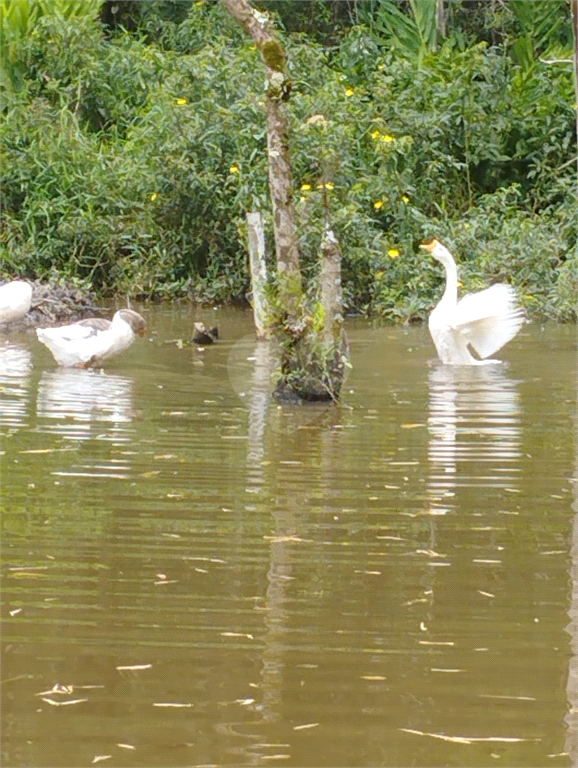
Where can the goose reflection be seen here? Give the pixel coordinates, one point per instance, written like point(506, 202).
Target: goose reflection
point(81, 402)
point(15, 367)
point(474, 428)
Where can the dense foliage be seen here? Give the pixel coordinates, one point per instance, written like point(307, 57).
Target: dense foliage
point(134, 145)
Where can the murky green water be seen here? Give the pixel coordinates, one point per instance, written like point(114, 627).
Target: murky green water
point(195, 576)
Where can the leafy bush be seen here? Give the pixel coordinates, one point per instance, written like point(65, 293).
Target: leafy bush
point(130, 160)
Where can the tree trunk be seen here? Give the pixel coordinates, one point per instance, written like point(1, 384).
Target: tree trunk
point(259, 27)
point(574, 9)
point(312, 344)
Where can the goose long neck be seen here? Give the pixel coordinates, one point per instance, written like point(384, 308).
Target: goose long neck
point(451, 291)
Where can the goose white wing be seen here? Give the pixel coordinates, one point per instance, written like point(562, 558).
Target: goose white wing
point(89, 342)
point(76, 344)
point(489, 319)
point(74, 332)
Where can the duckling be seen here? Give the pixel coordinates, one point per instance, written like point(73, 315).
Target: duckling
point(204, 335)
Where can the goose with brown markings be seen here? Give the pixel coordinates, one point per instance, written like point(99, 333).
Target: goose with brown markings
point(88, 343)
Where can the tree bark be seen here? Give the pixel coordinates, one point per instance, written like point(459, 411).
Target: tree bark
point(260, 28)
point(574, 9)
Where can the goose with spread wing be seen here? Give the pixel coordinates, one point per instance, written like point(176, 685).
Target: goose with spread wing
point(484, 321)
point(88, 343)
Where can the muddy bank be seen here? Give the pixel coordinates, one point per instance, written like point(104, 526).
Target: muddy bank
point(54, 303)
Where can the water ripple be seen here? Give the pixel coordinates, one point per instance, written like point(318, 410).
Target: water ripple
point(473, 417)
point(15, 367)
point(77, 404)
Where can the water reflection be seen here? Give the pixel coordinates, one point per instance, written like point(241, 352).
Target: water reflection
point(251, 368)
point(84, 404)
point(15, 366)
point(474, 416)
point(571, 719)
point(254, 590)
point(259, 399)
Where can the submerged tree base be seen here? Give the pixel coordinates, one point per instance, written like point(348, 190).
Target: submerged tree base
point(311, 374)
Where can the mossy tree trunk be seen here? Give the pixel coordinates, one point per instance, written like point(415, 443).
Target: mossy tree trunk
point(574, 9)
point(311, 340)
point(316, 366)
point(258, 25)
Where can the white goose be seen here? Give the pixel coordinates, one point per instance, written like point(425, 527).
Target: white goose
point(485, 320)
point(15, 298)
point(89, 342)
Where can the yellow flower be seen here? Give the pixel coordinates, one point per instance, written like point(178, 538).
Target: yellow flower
point(375, 135)
point(305, 187)
point(378, 204)
point(405, 198)
point(387, 138)
point(349, 91)
point(154, 196)
point(393, 252)
point(199, 3)
point(327, 185)
point(234, 168)
point(180, 102)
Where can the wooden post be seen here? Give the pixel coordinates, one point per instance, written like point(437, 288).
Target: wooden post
point(258, 271)
point(331, 298)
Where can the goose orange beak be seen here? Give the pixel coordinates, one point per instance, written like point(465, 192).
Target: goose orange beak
point(429, 246)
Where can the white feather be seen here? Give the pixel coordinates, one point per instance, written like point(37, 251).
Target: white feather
point(485, 320)
point(15, 298)
point(489, 319)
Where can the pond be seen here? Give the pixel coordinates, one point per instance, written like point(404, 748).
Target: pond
point(194, 575)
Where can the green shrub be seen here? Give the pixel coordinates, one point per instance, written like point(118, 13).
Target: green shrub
point(130, 159)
